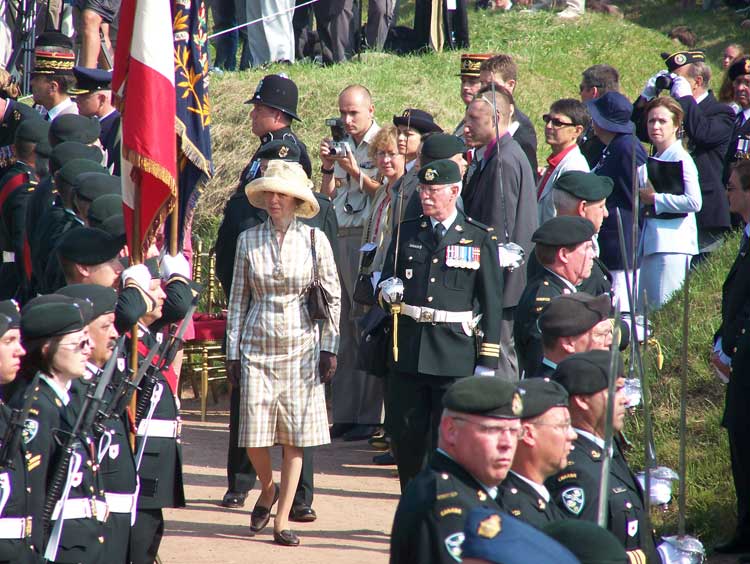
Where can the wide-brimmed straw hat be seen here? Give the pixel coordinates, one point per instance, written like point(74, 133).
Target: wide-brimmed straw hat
point(284, 178)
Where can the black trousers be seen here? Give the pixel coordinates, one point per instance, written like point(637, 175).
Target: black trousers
point(146, 535)
point(117, 538)
point(304, 37)
point(739, 453)
point(240, 472)
point(414, 404)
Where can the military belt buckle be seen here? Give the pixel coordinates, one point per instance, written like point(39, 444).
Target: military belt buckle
point(27, 527)
point(92, 504)
point(178, 432)
point(425, 316)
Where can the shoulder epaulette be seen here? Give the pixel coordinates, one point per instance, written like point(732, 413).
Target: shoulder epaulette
point(479, 224)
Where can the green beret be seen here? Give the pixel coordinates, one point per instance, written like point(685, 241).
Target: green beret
point(90, 185)
point(573, 314)
point(73, 127)
point(279, 150)
point(114, 225)
point(89, 246)
point(440, 173)
point(52, 315)
point(103, 300)
point(70, 150)
point(585, 373)
point(564, 231)
point(540, 395)
point(9, 308)
point(484, 395)
point(33, 130)
point(72, 169)
point(590, 543)
point(104, 207)
point(587, 186)
point(440, 146)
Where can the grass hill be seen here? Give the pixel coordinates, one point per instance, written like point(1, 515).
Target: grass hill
point(551, 55)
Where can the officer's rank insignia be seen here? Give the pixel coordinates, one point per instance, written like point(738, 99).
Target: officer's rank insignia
point(458, 256)
point(482, 495)
point(283, 152)
point(114, 451)
point(574, 499)
point(34, 462)
point(632, 527)
point(490, 527)
point(30, 429)
point(408, 273)
point(516, 405)
point(453, 545)
point(430, 174)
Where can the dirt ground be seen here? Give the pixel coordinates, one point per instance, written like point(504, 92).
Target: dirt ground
point(355, 501)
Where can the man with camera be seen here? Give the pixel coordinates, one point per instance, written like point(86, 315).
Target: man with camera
point(708, 126)
point(348, 178)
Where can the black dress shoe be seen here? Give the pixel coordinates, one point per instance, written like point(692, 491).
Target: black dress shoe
point(338, 429)
point(734, 546)
point(379, 442)
point(360, 433)
point(385, 459)
point(260, 516)
point(303, 514)
point(233, 500)
point(285, 538)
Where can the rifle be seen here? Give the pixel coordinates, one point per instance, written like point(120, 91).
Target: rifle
point(14, 432)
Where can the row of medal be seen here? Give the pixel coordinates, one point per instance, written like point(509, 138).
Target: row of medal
point(460, 256)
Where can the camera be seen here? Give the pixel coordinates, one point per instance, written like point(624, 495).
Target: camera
point(338, 147)
point(664, 82)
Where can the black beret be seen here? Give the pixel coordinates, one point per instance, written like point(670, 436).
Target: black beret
point(71, 170)
point(9, 308)
point(33, 130)
point(590, 543)
point(440, 146)
point(587, 186)
point(104, 207)
point(573, 314)
point(52, 315)
point(90, 80)
point(564, 231)
point(418, 120)
point(91, 185)
point(540, 395)
point(103, 299)
point(739, 68)
point(72, 127)
point(114, 225)
point(279, 150)
point(484, 395)
point(153, 267)
point(89, 246)
point(682, 58)
point(69, 150)
point(439, 173)
point(585, 373)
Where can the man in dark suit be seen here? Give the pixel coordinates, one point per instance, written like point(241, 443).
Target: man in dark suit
point(730, 358)
point(500, 193)
point(708, 125)
point(739, 145)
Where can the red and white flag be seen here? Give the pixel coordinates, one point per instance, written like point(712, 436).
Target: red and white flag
point(144, 92)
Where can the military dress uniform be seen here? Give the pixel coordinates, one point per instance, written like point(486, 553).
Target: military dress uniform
point(526, 503)
point(16, 186)
point(15, 114)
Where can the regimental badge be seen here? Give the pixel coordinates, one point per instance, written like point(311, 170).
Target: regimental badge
point(574, 500)
point(482, 495)
point(459, 256)
point(114, 451)
point(595, 454)
point(541, 504)
point(633, 528)
point(516, 405)
point(58, 403)
point(453, 545)
point(490, 527)
point(408, 273)
point(680, 59)
point(430, 174)
point(283, 152)
point(30, 429)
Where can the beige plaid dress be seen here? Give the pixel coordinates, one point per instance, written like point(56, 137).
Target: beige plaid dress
point(269, 330)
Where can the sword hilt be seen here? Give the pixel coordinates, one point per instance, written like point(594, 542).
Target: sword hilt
point(395, 310)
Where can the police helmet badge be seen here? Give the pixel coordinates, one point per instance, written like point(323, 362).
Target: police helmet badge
point(490, 527)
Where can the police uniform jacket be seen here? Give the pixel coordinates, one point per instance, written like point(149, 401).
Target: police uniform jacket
point(600, 281)
point(429, 522)
point(525, 503)
point(447, 349)
point(16, 187)
point(576, 491)
point(483, 202)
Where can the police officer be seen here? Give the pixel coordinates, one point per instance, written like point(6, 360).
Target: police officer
point(542, 451)
point(463, 473)
point(447, 276)
point(575, 489)
point(565, 251)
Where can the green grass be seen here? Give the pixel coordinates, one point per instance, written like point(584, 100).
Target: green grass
point(551, 56)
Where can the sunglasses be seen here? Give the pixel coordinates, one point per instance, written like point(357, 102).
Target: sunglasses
point(556, 122)
point(77, 347)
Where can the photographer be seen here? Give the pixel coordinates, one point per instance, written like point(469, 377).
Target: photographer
point(708, 126)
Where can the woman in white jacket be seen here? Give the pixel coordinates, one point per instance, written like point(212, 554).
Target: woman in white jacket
point(668, 242)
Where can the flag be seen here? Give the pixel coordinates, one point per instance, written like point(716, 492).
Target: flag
point(144, 92)
point(193, 107)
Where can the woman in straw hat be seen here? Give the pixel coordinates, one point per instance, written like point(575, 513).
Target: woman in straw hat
point(281, 358)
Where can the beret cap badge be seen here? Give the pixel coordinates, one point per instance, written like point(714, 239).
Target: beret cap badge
point(430, 174)
point(489, 528)
point(517, 405)
point(283, 152)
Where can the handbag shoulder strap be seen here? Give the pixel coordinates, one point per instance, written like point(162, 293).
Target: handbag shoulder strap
point(314, 256)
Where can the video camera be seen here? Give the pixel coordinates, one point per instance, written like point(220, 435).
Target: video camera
point(337, 148)
point(664, 82)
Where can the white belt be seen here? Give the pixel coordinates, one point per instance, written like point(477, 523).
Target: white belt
point(429, 315)
point(120, 502)
point(165, 428)
point(9, 257)
point(84, 508)
point(15, 527)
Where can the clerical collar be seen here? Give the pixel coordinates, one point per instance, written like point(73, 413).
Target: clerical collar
point(538, 488)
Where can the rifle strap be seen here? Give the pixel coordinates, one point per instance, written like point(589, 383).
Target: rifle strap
point(155, 398)
point(58, 515)
point(168, 372)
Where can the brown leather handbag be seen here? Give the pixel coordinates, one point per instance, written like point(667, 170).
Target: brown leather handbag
point(318, 297)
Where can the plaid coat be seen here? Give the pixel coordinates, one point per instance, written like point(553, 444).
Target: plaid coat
point(269, 330)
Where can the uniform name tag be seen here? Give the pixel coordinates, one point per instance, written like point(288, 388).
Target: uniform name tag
point(459, 256)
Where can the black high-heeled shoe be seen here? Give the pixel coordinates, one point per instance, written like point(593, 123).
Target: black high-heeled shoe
point(260, 516)
point(285, 538)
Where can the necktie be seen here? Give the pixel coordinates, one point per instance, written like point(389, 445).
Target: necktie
point(439, 232)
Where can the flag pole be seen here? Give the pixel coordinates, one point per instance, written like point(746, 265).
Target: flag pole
point(136, 257)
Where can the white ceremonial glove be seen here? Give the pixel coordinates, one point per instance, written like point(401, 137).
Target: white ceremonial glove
point(680, 87)
point(139, 274)
point(510, 256)
point(649, 91)
point(392, 290)
point(177, 264)
point(480, 370)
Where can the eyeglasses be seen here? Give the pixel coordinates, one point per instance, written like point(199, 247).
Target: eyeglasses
point(494, 430)
point(556, 122)
point(432, 190)
point(77, 347)
point(564, 427)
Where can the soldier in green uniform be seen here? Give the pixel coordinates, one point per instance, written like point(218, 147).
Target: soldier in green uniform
point(576, 488)
point(542, 451)
point(446, 276)
point(479, 430)
point(565, 251)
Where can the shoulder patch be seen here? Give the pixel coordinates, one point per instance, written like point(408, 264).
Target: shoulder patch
point(451, 511)
point(453, 545)
point(574, 500)
point(30, 429)
point(567, 476)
